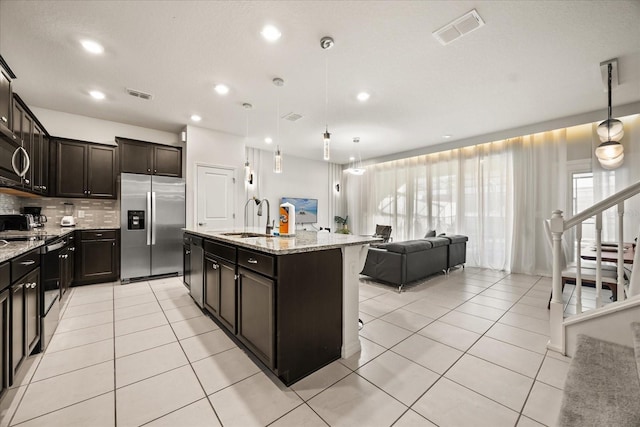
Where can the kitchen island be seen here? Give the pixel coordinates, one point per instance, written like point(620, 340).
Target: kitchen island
point(292, 301)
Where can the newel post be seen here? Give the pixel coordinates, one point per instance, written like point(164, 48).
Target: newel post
point(556, 316)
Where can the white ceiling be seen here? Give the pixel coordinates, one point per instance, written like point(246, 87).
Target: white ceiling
point(533, 61)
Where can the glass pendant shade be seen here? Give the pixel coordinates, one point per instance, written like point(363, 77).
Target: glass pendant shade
point(610, 154)
point(277, 160)
point(327, 142)
point(247, 171)
point(610, 130)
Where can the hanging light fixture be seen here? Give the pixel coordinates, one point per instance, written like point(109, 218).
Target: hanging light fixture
point(248, 173)
point(326, 43)
point(277, 155)
point(355, 165)
point(610, 152)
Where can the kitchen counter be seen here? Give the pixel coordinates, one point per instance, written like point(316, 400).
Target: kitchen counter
point(303, 241)
point(353, 251)
point(16, 248)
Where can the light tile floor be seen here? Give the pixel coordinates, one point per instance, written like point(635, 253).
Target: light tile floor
point(467, 349)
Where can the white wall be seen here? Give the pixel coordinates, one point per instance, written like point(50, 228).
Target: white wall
point(302, 178)
point(213, 148)
point(85, 128)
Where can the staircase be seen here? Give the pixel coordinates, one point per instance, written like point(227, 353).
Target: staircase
point(603, 383)
point(611, 320)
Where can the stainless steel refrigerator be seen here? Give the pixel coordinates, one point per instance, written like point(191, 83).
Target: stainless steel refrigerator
point(152, 215)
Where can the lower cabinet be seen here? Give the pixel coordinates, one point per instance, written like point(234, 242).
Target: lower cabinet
point(220, 284)
point(18, 348)
point(98, 256)
point(32, 310)
point(256, 314)
point(25, 318)
point(5, 327)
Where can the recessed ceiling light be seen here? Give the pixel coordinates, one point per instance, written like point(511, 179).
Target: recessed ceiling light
point(92, 47)
point(351, 159)
point(96, 94)
point(363, 96)
point(221, 89)
point(268, 140)
point(196, 118)
point(446, 136)
point(271, 33)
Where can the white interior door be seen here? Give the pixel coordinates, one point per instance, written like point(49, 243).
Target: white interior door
point(215, 189)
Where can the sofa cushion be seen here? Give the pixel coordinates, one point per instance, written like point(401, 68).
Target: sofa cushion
point(409, 246)
point(437, 241)
point(457, 238)
point(430, 233)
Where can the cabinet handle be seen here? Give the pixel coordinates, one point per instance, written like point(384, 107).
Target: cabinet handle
point(26, 181)
point(4, 119)
point(201, 224)
point(32, 285)
point(88, 191)
point(187, 252)
point(30, 262)
point(214, 265)
point(235, 277)
point(72, 249)
point(43, 187)
point(98, 234)
point(155, 171)
point(148, 170)
point(252, 261)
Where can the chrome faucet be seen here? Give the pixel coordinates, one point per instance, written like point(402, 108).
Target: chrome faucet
point(269, 227)
point(246, 221)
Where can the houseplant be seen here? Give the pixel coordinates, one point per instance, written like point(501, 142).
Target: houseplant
point(342, 224)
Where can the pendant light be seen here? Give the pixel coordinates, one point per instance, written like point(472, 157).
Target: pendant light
point(610, 152)
point(355, 165)
point(277, 155)
point(248, 173)
point(326, 43)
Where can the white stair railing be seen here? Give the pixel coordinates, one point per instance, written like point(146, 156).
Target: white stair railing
point(558, 226)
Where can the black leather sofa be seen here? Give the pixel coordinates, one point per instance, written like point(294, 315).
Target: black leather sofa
point(400, 263)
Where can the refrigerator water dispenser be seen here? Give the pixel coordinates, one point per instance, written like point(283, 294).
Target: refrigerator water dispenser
point(135, 220)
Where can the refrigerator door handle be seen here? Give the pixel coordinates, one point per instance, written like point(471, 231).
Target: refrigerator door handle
point(147, 214)
point(153, 217)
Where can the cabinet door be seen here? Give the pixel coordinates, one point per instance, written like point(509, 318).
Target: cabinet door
point(97, 260)
point(27, 144)
point(135, 157)
point(17, 327)
point(256, 315)
point(39, 161)
point(212, 286)
point(5, 99)
point(4, 341)
point(167, 161)
point(228, 295)
point(71, 167)
point(101, 172)
point(186, 265)
point(32, 309)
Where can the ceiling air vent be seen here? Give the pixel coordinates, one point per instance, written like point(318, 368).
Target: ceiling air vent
point(459, 27)
point(139, 94)
point(292, 117)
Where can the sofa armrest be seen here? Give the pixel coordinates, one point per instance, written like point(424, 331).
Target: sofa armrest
point(384, 265)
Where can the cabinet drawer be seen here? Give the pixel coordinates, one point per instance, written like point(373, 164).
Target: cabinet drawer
point(256, 261)
point(220, 250)
point(5, 279)
point(98, 235)
point(24, 263)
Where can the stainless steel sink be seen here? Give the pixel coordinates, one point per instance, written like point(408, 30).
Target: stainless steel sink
point(246, 235)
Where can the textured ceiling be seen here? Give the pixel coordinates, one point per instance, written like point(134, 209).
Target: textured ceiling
point(531, 62)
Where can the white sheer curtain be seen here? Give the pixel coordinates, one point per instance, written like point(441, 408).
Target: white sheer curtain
point(496, 193)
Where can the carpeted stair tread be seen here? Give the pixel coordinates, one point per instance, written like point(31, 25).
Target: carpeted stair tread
point(635, 327)
point(602, 386)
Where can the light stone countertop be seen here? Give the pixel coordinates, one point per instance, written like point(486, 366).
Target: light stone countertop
point(303, 241)
point(16, 248)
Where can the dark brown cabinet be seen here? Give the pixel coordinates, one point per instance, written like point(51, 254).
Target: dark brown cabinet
point(6, 75)
point(25, 308)
point(97, 252)
point(256, 317)
point(5, 327)
point(149, 158)
point(85, 170)
point(40, 161)
point(220, 294)
point(67, 265)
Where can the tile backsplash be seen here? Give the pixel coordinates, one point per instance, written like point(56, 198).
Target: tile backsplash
point(9, 204)
point(94, 212)
point(85, 211)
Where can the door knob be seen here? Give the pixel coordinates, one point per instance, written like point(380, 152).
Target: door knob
point(201, 224)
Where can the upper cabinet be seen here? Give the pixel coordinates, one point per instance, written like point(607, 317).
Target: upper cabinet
point(6, 75)
point(148, 158)
point(83, 169)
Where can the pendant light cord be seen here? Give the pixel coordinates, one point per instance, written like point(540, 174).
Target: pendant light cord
point(610, 67)
point(326, 92)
